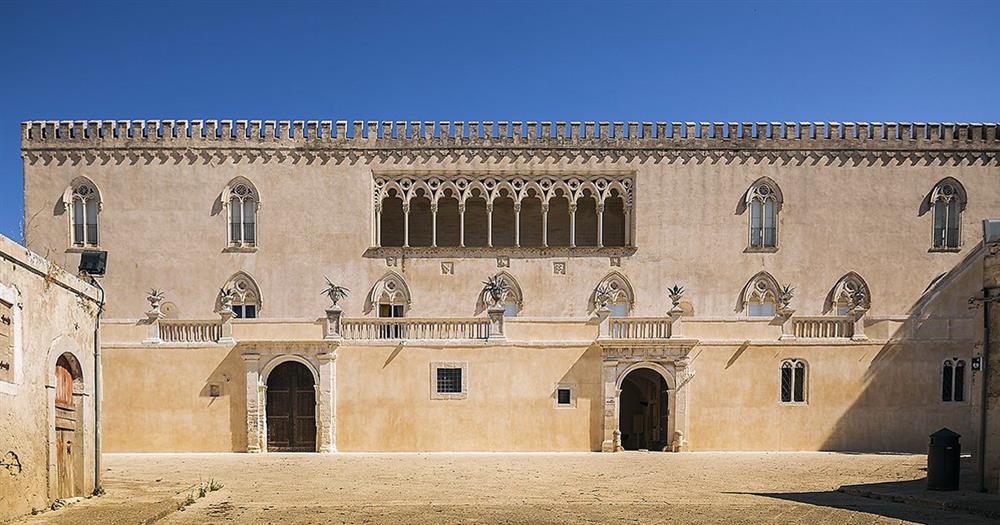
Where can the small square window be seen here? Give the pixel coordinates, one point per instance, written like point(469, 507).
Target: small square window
point(563, 396)
point(214, 390)
point(449, 380)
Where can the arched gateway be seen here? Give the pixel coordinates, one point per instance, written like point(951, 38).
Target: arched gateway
point(291, 408)
point(645, 396)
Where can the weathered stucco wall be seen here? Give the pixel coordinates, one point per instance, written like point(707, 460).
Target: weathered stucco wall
point(52, 313)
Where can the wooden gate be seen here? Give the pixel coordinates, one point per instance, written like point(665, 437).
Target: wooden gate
point(291, 409)
point(67, 424)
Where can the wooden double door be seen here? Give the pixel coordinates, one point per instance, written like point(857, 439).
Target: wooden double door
point(291, 409)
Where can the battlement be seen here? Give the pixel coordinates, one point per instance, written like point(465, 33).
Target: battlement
point(887, 136)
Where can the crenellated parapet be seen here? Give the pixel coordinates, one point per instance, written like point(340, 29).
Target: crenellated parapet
point(975, 143)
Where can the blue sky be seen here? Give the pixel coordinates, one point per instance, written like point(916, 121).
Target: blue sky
point(863, 61)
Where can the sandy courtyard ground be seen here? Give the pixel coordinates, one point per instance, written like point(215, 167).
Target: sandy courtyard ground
point(631, 487)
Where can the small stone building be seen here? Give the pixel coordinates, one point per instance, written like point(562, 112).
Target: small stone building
point(47, 323)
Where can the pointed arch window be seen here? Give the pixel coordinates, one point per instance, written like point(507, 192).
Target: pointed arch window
point(242, 203)
point(947, 200)
point(953, 381)
point(241, 295)
point(793, 381)
point(763, 200)
point(760, 296)
point(615, 293)
point(84, 207)
point(512, 300)
point(849, 294)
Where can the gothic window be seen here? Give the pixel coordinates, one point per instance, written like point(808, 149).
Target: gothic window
point(615, 293)
point(953, 380)
point(241, 295)
point(793, 381)
point(850, 292)
point(947, 200)
point(763, 200)
point(85, 205)
point(242, 203)
point(760, 296)
point(512, 300)
point(389, 296)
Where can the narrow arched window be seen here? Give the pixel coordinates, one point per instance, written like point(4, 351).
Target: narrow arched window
point(241, 295)
point(793, 381)
point(763, 200)
point(85, 206)
point(953, 380)
point(947, 200)
point(243, 203)
point(614, 293)
point(761, 295)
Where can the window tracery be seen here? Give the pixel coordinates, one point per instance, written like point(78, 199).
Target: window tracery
point(85, 205)
point(947, 200)
point(764, 201)
point(242, 204)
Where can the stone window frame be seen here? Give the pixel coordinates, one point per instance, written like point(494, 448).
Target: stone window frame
point(613, 289)
point(463, 365)
point(241, 189)
point(954, 363)
point(762, 288)
point(83, 190)
point(762, 190)
point(244, 290)
point(572, 387)
point(12, 296)
point(948, 191)
point(793, 363)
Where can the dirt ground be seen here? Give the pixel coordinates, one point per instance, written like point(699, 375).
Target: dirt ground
point(630, 487)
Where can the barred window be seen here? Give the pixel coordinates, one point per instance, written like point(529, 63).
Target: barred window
point(953, 380)
point(449, 380)
point(793, 381)
point(563, 397)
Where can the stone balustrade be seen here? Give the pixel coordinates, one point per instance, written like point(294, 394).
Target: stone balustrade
point(177, 331)
point(415, 328)
point(639, 328)
point(823, 327)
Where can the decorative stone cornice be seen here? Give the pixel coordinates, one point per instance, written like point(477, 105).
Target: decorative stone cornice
point(795, 143)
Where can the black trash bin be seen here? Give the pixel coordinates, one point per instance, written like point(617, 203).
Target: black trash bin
point(943, 460)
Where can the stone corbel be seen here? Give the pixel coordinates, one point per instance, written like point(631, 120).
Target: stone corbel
point(332, 327)
point(787, 327)
point(495, 314)
point(857, 315)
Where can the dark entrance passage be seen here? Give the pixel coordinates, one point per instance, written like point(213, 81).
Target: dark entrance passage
point(291, 409)
point(643, 410)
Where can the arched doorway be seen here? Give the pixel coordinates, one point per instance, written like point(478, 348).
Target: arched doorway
point(644, 410)
point(69, 427)
point(291, 408)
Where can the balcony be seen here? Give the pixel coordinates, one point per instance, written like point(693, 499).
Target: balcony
point(823, 327)
point(415, 328)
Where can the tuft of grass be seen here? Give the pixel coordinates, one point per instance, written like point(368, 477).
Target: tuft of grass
point(99, 491)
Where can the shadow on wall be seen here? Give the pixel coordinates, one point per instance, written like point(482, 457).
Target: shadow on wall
point(900, 403)
point(230, 378)
point(582, 375)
